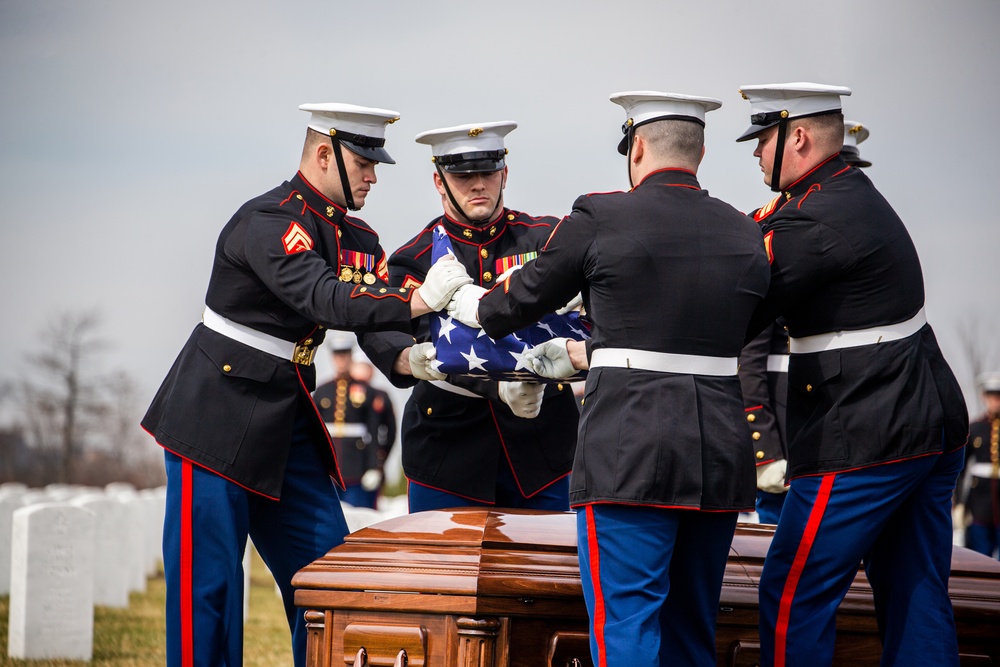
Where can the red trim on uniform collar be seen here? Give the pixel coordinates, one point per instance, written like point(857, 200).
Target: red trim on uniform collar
point(810, 172)
point(665, 170)
point(320, 194)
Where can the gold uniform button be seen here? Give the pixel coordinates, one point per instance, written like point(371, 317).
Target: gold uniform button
point(559, 386)
point(809, 387)
point(227, 368)
point(381, 290)
point(751, 417)
point(510, 216)
point(307, 341)
point(429, 410)
point(487, 276)
point(484, 253)
point(756, 435)
point(760, 455)
point(363, 289)
point(299, 197)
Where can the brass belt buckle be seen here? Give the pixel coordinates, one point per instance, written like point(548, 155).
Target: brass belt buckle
point(303, 354)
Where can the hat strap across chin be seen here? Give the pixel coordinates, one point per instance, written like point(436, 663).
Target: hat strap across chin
point(345, 182)
point(779, 152)
point(458, 208)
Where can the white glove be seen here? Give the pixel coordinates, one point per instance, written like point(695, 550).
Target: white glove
point(508, 273)
point(371, 480)
point(421, 355)
point(444, 277)
point(524, 398)
point(958, 517)
point(551, 359)
point(573, 304)
point(771, 476)
point(465, 304)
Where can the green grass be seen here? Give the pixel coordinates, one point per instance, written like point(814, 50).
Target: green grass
point(134, 637)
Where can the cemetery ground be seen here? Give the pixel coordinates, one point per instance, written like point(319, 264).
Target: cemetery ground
point(134, 636)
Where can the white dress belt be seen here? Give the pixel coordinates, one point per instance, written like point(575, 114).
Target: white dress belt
point(663, 362)
point(447, 386)
point(777, 363)
point(838, 340)
point(984, 470)
point(347, 430)
point(247, 336)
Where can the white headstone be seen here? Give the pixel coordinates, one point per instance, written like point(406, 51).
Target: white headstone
point(51, 597)
point(12, 486)
point(111, 574)
point(8, 503)
point(32, 496)
point(134, 539)
point(154, 505)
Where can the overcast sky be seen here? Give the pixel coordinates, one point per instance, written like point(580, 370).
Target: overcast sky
point(131, 131)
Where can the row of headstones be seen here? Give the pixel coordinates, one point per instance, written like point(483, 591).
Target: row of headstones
point(65, 549)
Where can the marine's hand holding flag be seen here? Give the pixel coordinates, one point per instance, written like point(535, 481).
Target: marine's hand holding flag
point(523, 398)
point(444, 277)
point(551, 359)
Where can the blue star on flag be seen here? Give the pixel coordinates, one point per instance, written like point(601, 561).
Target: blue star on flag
point(464, 350)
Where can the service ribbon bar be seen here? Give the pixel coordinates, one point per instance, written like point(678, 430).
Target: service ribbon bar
point(505, 263)
point(357, 259)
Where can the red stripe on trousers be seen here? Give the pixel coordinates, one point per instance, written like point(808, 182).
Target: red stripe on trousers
point(595, 578)
point(792, 582)
point(187, 621)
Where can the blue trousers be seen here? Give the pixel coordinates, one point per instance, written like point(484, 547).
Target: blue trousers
point(769, 506)
point(206, 525)
point(652, 579)
point(984, 539)
point(356, 496)
point(554, 497)
point(896, 519)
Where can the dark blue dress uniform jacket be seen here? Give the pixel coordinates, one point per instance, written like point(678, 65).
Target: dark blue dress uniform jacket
point(278, 264)
point(842, 260)
point(664, 268)
point(453, 442)
point(361, 405)
point(981, 494)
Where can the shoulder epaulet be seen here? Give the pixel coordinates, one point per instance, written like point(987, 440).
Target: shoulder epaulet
point(767, 209)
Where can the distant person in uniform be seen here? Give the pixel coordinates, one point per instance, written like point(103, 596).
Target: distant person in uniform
point(467, 441)
point(347, 405)
point(669, 277)
point(764, 376)
point(875, 420)
point(246, 450)
point(979, 488)
point(384, 425)
point(854, 134)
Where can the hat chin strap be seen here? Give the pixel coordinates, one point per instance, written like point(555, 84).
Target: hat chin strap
point(779, 152)
point(628, 156)
point(345, 182)
point(458, 208)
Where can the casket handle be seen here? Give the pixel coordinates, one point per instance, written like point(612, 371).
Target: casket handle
point(401, 659)
point(361, 659)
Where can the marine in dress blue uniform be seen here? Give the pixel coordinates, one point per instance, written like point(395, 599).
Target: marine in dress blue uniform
point(764, 375)
point(464, 442)
point(978, 492)
point(353, 413)
point(247, 452)
point(875, 418)
point(669, 277)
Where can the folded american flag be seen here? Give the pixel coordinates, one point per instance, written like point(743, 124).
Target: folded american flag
point(463, 350)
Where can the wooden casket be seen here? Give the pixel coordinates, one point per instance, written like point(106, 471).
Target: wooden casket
point(475, 587)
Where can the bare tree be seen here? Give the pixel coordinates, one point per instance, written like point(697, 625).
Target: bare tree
point(64, 393)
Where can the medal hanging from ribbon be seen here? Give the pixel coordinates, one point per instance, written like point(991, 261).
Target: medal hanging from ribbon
point(357, 266)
